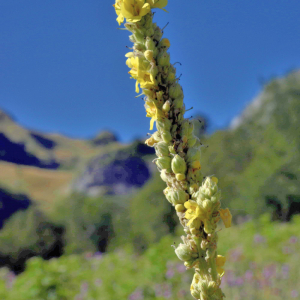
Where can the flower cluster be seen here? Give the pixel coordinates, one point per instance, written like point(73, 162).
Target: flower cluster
point(196, 201)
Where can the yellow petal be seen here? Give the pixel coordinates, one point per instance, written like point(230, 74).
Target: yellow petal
point(151, 123)
point(220, 260)
point(226, 217)
point(120, 19)
point(145, 9)
point(137, 90)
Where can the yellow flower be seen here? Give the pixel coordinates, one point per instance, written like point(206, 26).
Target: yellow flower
point(138, 71)
point(134, 10)
point(220, 262)
point(117, 6)
point(193, 213)
point(152, 112)
point(158, 3)
point(226, 217)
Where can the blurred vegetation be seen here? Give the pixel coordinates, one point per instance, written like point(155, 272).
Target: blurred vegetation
point(269, 272)
point(257, 162)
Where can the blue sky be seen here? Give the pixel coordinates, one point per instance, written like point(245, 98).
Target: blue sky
point(63, 66)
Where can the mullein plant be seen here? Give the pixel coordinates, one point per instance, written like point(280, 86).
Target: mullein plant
point(195, 198)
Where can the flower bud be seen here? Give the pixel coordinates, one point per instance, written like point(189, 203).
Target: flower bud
point(180, 176)
point(139, 37)
point(150, 142)
point(196, 165)
point(164, 176)
point(179, 208)
point(163, 59)
point(164, 163)
point(167, 137)
point(153, 70)
point(172, 150)
point(166, 106)
point(175, 90)
point(192, 141)
point(156, 136)
point(157, 33)
point(176, 196)
point(150, 44)
point(162, 149)
point(171, 77)
point(178, 164)
point(164, 43)
point(178, 102)
point(183, 252)
point(163, 125)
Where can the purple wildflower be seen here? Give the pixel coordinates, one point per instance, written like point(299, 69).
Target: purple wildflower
point(258, 239)
point(181, 268)
point(136, 295)
point(285, 269)
point(294, 294)
point(293, 240)
point(248, 275)
point(239, 281)
point(170, 273)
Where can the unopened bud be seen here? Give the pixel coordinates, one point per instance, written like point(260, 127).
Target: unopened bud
point(179, 208)
point(192, 141)
point(164, 162)
point(172, 150)
point(183, 252)
point(196, 165)
point(166, 106)
point(163, 59)
point(150, 44)
point(176, 196)
point(150, 142)
point(178, 102)
point(175, 90)
point(162, 149)
point(178, 164)
point(171, 77)
point(163, 125)
point(164, 43)
point(180, 176)
point(167, 137)
point(164, 176)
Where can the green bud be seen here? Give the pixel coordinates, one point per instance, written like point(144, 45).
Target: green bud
point(150, 44)
point(149, 32)
point(153, 70)
point(178, 164)
point(167, 137)
point(163, 59)
point(164, 176)
point(176, 196)
point(139, 37)
point(157, 34)
point(178, 102)
point(164, 163)
point(148, 55)
point(166, 106)
point(185, 128)
point(172, 150)
point(174, 129)
point(165, 43)
point(162, 149)
point(175, 91)
point(156, 136)
point(163, 125)
point(184, 253)
point(192, 141)
point(180, 176)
